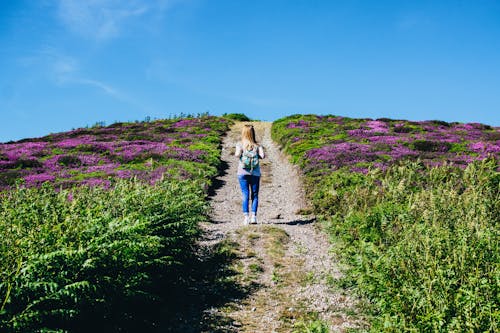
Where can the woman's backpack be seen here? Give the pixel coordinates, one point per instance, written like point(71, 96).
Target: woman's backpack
point(250, 159)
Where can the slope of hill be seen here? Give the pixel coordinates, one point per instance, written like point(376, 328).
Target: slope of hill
point(99, 155)
point(333, 142)
point(413, 208)
point(115, 255)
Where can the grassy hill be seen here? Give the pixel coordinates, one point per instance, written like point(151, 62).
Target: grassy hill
point(413, 208)
point(100, 155)
point(99, 225)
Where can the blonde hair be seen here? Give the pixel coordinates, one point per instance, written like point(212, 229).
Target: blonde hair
point(248, 137)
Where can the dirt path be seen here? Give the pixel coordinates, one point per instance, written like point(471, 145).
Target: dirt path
point(284, 260)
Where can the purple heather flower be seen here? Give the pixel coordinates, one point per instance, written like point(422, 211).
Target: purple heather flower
point(185, 123)
point(123, 173)
point(52, 163)
point(6, 164)
point(133, 149)
point(184, 135)
point(359, 170)
point(14, 151)
point(380, 165)
point(399, 152)
point(387, 139)
point(108, 168)
point(184, 154)
point(341, 154)
point(377, 126)
point(380, 144)
point(75, 142)
point(300, 124)
point(370, 128)
point(37, 179)
point(91, 159)
point(485, 147)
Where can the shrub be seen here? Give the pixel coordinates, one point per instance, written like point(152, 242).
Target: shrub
point(423, 246)
point(430, 146)
point(236, 116)
point(9, 177)
point(69, 161)
point(92, 259)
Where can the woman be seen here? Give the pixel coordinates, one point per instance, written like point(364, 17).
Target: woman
point(249, 153)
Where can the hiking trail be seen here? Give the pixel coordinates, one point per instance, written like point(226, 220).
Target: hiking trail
point(284, 260)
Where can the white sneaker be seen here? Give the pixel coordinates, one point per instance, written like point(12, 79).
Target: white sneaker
point(245, 221)
point(253, 220)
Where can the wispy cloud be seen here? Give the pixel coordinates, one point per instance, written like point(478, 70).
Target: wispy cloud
point(62, 70)
point(49, 63)
point(104, 87)
point(104, 19)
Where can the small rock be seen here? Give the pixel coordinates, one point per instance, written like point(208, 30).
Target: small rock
point(236, 324)
point(254, 308)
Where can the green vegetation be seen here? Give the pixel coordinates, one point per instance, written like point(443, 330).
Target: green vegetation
point(420, 234)
point(236, 116)
point(98, 155)
point(77, 259)
point(80, 257)
point(422, 241)
point(311, 326)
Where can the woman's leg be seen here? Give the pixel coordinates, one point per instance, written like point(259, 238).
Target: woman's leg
point(254, 184)
point(244, 184)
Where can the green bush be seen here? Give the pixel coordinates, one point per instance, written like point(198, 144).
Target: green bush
point(80, 259)
point(422, 244)
point(236, 116)
point(426, 145)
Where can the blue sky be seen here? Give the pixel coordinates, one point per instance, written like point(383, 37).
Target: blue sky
point(71, 63)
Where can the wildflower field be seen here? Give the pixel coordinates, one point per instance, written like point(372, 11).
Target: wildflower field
point(100, 155)
point(414, 208)
point(99, 224)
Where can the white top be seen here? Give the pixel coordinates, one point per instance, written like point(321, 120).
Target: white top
point(241, 171)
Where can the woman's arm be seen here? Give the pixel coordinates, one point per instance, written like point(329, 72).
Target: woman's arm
point(261, 152)
point(238, 151)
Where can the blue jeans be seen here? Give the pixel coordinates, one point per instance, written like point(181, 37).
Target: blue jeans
point(249, 188)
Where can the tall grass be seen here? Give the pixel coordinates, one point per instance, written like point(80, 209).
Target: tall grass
point(89, 258)
point(423, 244)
